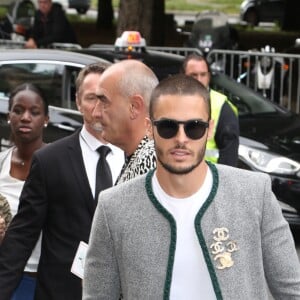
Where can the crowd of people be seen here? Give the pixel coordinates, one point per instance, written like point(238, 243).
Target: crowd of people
point(175, 218)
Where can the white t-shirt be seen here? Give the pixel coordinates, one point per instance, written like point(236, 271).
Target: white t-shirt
point(190, 278)
point(11, 189)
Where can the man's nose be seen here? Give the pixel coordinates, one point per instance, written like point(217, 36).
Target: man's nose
point(181, 135)
point(97, 111)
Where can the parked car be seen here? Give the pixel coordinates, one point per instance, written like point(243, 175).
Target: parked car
point(270, 135)
point(255, 11)
point(269, 142)
point(55, 71)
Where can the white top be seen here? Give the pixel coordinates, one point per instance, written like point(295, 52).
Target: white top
point(190, 278)
point(89, 145)
point(11, 189)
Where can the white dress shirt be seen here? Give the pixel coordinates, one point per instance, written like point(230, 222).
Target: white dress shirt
point(89, 145)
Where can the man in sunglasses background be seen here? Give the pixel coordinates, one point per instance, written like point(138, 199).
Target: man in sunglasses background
point(223, 146)
point(189, 229)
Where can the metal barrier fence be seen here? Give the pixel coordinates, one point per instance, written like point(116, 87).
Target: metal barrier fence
point(275, 75)
point(9, 44)
point(183, 51)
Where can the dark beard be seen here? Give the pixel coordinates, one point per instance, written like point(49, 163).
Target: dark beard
point(181, 171)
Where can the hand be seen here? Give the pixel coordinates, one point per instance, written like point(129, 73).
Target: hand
point(30, 44)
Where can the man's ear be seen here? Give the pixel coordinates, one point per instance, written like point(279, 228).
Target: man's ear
point(211, 128)
point(137, 105)
point(149, 128)
point(78, 103)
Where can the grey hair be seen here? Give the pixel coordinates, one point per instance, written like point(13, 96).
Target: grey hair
point(137, 78)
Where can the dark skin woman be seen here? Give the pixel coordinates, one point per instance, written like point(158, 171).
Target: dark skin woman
point(27, 116)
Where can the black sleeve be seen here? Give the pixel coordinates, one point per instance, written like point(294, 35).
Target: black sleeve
point(58, 29)
point(227, 136)
point(35, 30)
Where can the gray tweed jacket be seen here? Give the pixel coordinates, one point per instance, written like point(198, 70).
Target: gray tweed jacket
point(247, 244)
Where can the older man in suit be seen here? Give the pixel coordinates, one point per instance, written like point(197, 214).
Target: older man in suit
point(59, 199)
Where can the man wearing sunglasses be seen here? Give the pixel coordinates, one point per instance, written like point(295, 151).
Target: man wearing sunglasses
point(223, 146)
point(189, 229)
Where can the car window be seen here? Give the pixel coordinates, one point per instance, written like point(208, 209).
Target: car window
point(56, 80)
point(246, 100)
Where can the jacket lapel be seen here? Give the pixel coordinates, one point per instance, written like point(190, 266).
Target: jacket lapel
point(78, 169)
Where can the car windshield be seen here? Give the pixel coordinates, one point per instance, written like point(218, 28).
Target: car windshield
point(246, 100)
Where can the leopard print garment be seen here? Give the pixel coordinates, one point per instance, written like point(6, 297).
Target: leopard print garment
point(140, 162)
point(5, 210)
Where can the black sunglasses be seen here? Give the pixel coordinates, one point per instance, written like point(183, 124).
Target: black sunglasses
point(168, 128)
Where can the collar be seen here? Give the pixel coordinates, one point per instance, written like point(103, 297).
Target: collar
point(93, 143)
point(145, 140)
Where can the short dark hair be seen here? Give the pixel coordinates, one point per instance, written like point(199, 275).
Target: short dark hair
point(194, 56)
point(30, 87)
point(179, 84)
point(97, 68)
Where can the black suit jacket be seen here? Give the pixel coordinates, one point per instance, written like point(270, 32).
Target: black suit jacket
point(56, 199)
point(55, 28)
